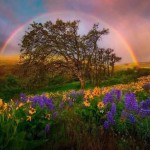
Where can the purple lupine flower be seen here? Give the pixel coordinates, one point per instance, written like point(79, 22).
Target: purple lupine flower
point(110, 118)
point(131, 118)
point(118, 94)
point(113, 109)
point(145, 104)
point(131, 103)
point(42, 101)
point(62, 104)
point(124, 114)
point(112, 96)
point(144, 112)
point(108, 98)
point(146, 87)
point(16, 102)
point(106, 125)
point(73, 94)
point(54, 115)
point(33, 100)
point(141, 104)
point(80, 92)
point(48, 103)
point(23, 97)
point(70, 102)
point(47, 128)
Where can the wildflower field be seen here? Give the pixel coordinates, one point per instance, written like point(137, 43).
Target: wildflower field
point(113, 117)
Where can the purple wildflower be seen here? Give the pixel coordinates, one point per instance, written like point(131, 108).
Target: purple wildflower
point(131, 103)
point(117, 94)
point(108, 98)
point(16, 102)
point(113, 109)
point(47, 128)
point(80, 92)
point(106, 125)
point(124, 114)
point(62, 104)
point(110, 118)
point(23, 97)
point(70, 102)
point(144, 112)
point(73, 94)
point(145, 104)
point(54, 115)
point(112, 96)
point(146, 87)
point(42, 101)
point(131, 118)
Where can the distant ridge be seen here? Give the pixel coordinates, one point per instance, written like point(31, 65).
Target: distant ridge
point(13, 59)
point(9, 59)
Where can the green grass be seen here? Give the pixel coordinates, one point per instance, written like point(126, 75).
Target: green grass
point(62, 87)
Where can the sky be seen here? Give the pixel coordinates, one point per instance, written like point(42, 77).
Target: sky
point(128, 21)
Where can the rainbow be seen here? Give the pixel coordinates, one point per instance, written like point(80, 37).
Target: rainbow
point(10, 38)
point(127, 46)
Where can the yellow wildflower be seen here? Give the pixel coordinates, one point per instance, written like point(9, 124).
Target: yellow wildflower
point(96, 91)
point(87, 94)
point(47, 95)
point(1, 102)
point(28, 101)
point(29, 118)
point(32, 111)
point(9, 116)
point(20, 105)
point(64, 97)
point(5, 106)
point(86, 103)
point(100, 105)
point(91, 96)
point(48, 116)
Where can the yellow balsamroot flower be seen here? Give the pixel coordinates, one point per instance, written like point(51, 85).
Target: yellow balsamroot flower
point(96, 91)
point(1, 102)
point(32, 111)
point(91, 96)
point(47, 95)
point(20, 105)
point(86, 103)
point(87, 94)
point(48, 116)
point(64, 97)
point(5, 106)
point(9, 116)
point(29, 118)
point(100, 105)
point(28, 101)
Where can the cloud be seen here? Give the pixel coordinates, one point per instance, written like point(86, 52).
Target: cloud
point(131, 18)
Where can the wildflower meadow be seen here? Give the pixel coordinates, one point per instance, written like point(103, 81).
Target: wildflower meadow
point(79, 119)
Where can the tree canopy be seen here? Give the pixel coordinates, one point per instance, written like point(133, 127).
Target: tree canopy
point(58, 46)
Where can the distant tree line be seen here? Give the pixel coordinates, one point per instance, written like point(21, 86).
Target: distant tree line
point(58, 48)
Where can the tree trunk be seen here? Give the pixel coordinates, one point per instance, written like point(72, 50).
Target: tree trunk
point(112, 71)
point(82, 83)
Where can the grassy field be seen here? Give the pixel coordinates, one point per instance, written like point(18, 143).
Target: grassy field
point(132, 65)
point(61, 116)
point(101, 118)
